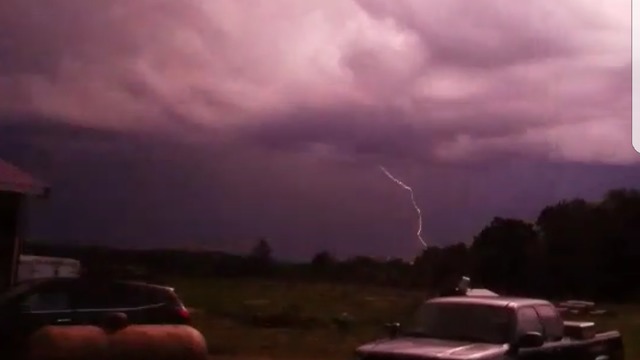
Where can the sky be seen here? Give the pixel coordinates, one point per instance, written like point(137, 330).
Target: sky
point(209, 123)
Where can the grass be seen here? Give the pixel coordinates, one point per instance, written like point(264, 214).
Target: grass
point(268, 319)
point(627, 321)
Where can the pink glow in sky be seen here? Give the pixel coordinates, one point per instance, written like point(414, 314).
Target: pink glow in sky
point(545, 78)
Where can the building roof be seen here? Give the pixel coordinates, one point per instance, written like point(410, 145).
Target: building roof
point(12, 179)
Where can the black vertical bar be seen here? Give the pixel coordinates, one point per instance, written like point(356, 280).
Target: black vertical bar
point(9, 237)
point(22, 234)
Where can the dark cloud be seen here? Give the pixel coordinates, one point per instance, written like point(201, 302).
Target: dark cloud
point(454, 67)
point(229, 119)
point(154, 191)
point(355, 133)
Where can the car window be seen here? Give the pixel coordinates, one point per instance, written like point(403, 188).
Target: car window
point(528, 321)
point(104, 296)
point(164, 296)
point(551, 322)
point(129, 296)
point(134, 295)
point(15, 292)
point(47, 300)
point(94, 295)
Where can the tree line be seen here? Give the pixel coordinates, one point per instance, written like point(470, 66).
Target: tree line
point(574, 248)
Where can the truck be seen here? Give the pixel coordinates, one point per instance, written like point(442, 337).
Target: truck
point(492, 327)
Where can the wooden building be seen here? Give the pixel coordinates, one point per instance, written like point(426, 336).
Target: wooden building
point(16, 187)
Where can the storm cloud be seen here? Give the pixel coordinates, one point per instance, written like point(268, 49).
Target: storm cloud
point(309, 96)
point(551, 77)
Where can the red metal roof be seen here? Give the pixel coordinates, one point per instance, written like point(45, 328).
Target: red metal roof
point(12, 179)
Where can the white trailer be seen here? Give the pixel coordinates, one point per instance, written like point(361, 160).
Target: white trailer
point(38, 267)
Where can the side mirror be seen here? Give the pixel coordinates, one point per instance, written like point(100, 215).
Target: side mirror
point(530, 340)
point(393, 329)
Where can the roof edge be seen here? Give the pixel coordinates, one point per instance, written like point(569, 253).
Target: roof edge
point(16, 180)
point(40, 191)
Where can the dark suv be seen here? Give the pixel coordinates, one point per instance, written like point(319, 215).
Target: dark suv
point(79, 301)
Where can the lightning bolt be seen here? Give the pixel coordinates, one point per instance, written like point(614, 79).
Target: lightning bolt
point(413, 201)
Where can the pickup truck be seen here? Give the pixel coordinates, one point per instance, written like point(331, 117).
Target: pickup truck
point(478, 327)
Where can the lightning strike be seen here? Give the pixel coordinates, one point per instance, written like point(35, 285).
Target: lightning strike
point(413, 201)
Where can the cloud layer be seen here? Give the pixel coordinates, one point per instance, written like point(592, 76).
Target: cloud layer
point(274, 116)
point(447, 80)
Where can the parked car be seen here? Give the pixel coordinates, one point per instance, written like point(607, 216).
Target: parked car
point(492, 327)
point(83, 301)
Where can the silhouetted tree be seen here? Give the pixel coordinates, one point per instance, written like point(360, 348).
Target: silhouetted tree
point(262, 250)
point(323, 260)
point(362, 269)
point(570, 237)
point(260, 258)
point(397, 272)
point(504, 255)
point(576, 248)
point(438, 268)
point(323, 266)
point(620, 242)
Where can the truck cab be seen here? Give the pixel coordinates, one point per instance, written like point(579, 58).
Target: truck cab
point(477, 327)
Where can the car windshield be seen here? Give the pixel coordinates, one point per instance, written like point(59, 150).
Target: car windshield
point(15, 291)
point(465, 322)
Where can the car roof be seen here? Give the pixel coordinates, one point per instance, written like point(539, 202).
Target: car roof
point(144, 284)
point(54, 280)
point(502, 301)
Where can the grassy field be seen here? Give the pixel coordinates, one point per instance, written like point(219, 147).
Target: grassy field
point(264, 319)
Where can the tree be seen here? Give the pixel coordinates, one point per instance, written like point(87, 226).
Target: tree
point(323, 266)
point(323, 260)
point(506, 255)
point(592, 248)
point(261, 254)
point(438, 268)
point(571, 233)
point(619, 245)
point(362, 269)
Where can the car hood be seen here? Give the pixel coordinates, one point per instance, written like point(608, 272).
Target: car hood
point(426, 348)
